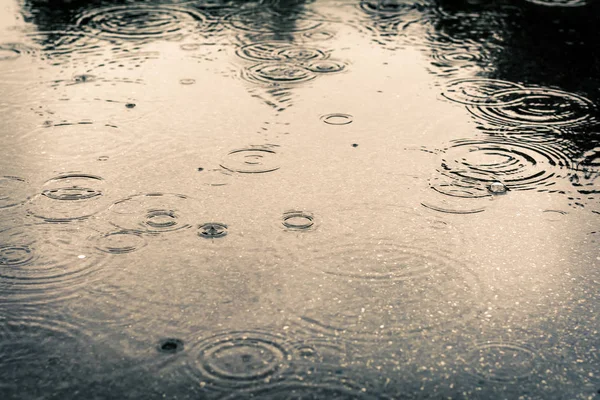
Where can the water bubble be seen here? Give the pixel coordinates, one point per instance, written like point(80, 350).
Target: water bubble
point(153, 212)
point(497, 188)
point(298, 220)
point(122, 242)
point(14, 191)
point(187, 81)
point(68, 197)
point(130, 105)
point(534, 106)
point(326, 66)
point(42, 263)
point(212, 230)
point(240, 359)
point(502, 361)
point(141, 21)
point(170, 346)
point(264, 20)
point(279, 73)
point(477, 91)
point(337, 119)
point(252, 160)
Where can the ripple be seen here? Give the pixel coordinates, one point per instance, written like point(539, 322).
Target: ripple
point(14, 191)
point(70, 197)
point(326, 66)
point(265, 20)
point(478, 91)
point(43, 263)
point(532, 133)
point(212, 230)
point(240, 359)
point(122, 242)
point(305, 390)
point(502, 361)
point(318, 35)
point(12, 51)
point(535, 106)
point(141, 21)
point(251, 160)
point(337, 119)
point(278, 73)
point(519, 166)
point(387, 8)
point(153, 213)
point(279, 51)
point(187, 81)
point(451, 196)
point(298, 221)
point(559, 3)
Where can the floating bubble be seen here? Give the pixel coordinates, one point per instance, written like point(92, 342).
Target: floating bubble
point(279, 73)
point(478, 91)
point(153, 212)
point(502, 362)
point(264, 20)
point(212, 230)
point(497, 188)
point(14, 191)
point(141, 21)
point(120, 242)
point(170, 346)
point(240, 359)
point(298, 220)
point(326, 66)
point(337, 119)
point(252, 160)
point(187, 81)
point(43, 263)
point(535, 106)
point(70, 197)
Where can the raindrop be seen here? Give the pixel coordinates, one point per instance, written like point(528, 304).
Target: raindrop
point(534, 106)
point(326, 66)
point(170, 346)
point(502, 362)
point(497, 188)
point(240, 359)
point(298, 220)
point(478, 91)
point(337, 119)
point(140, 21)
point(212, 230)
point(187, 81)
point(278, 73)
point(252, 160)
point(14, 191)
point(122, 242)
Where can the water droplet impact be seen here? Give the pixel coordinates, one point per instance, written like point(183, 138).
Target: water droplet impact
point(14, 191)
point(83, 78)
point(386, 8)
point(278, 73)
point(200, 169)
point(326, 66)
point(153, 212)
point(298, 220)
point(502, 362)
point(252, 160)
point(187, 81)
point(41, 263)
point(139, 21)
point(170, 346)
point(103, 158)
point(120, 242)
point(279, 51)
point(240, 359)
point(477, 91)
point(534, 106)
point(497, 188)
point(337, 119)
point(212, 230)
point(69, 197)
point(318, 35)
point(264, 20)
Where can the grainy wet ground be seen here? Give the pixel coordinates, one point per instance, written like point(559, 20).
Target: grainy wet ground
point(226, 199)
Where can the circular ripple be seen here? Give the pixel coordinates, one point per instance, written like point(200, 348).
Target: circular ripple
point(532, 133)
point(240, 359)
point(326, 67)
point(41, 263)
point(477, 91)
point(337, 119)
point(279, 73)
point(141, 21)
point(120, 242)
point(534, 106)
point(305, 391)
point(252, 160)
point(520, 166)
point(153, 212)
point(279, 51)
point(559, 3)
point(14, 191)
point(69, 197)
point(387, 8)
point(265, 20)
point(212, 230)
point(502, 362)
point(298, 221)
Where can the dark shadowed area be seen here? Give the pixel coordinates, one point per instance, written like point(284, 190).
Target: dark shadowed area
point(271, 199)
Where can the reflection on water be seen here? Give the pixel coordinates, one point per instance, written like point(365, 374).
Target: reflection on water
point(293, 199)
